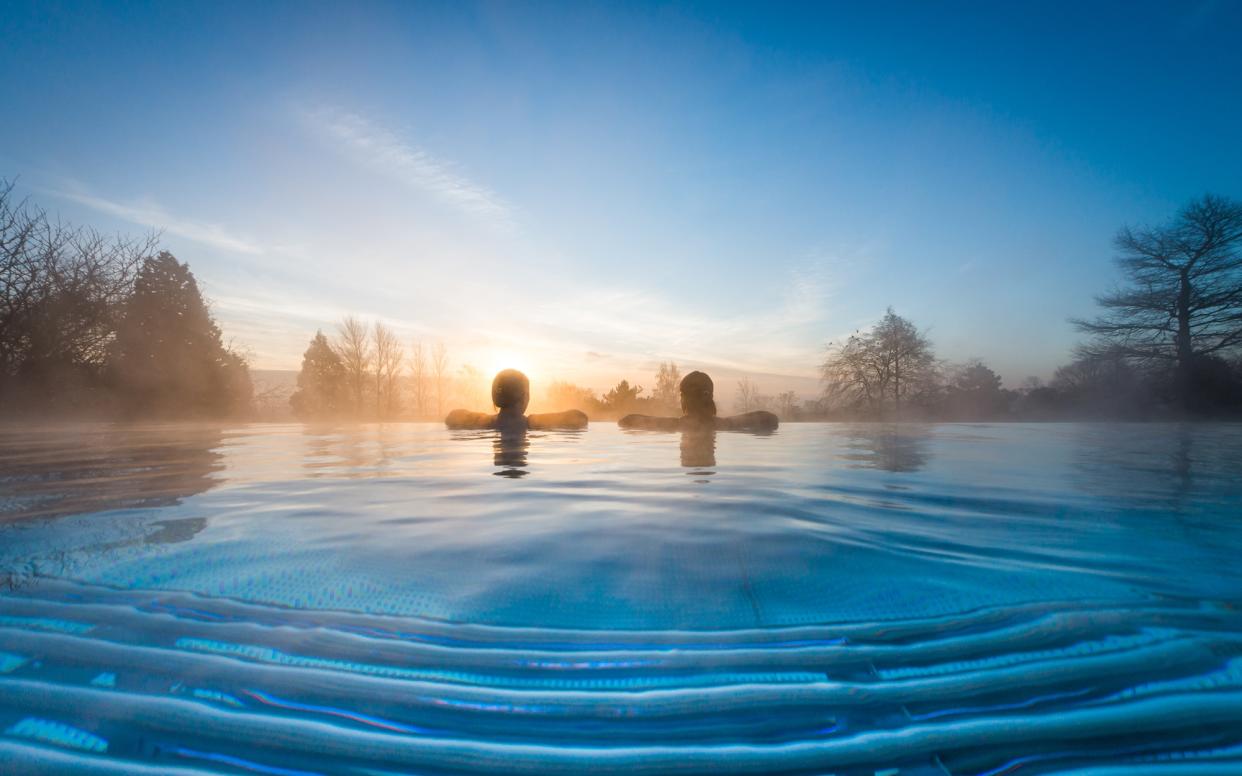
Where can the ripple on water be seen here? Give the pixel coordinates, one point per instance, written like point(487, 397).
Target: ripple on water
point(847, 599)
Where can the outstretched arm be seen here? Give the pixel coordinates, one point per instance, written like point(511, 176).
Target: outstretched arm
point(650, 423)
point(468, 419)
point(566, 419)
point(759, 420)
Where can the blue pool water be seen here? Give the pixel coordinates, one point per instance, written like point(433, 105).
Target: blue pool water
point(848, 599)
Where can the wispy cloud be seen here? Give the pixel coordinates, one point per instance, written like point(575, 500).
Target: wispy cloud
point(785, 338)
point(149, 214)
point(383, 151)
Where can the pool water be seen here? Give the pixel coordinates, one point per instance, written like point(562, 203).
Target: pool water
point(828, 598)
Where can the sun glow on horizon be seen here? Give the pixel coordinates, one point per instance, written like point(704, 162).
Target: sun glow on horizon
point(499, 360)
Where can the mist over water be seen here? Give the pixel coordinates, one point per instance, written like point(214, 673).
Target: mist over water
point(917, 584)
point(601, 523)
point(632, 388)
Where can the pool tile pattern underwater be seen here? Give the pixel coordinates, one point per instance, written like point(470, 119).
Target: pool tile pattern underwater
point(943, 600)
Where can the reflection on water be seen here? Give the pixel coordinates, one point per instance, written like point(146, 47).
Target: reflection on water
point(958, 599)
point(698, 450)
point(75, 469)
point(509, 453)
point(889, 446)
point(353, 450)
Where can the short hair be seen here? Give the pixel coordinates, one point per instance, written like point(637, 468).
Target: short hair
point(511, 389)
point(696, 395)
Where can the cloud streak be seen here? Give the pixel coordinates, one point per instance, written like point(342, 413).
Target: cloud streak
point(383, 151)
point(152, 215)
point(784, 339)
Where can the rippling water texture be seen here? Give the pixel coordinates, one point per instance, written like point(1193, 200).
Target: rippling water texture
point(955, 599)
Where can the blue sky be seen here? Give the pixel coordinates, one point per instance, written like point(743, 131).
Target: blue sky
point(586, 190)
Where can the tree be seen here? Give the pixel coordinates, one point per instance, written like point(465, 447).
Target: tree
point(976, 377)
point(1183, 301)
point(388, 357)
point(418, 378)
point(889, 364)
point(748, 396)
point(623, 397)
point(321, 382)
point(975, 391)
point(668, 381)
point(439, 368)
point(567, 396)
point(1029, 384)
point(62, 292)
point(354, 349)
point(472, 387)
point(168, 357)
point(787, 405)
point(1102, 383)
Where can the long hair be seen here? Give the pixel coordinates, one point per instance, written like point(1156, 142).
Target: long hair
point(696, 395)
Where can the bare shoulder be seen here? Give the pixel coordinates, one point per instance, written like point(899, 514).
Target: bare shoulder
point(649, 423)
point(468, 419)
point(567, 419)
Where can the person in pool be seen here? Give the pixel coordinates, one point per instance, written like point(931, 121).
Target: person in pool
point(699, 412)
point(511, 394)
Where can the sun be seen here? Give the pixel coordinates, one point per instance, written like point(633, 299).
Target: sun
point(508, 359)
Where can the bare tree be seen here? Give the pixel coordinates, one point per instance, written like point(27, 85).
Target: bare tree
point(472, 387)
point(439, 369)
point(668, 380)
point(388, 358)
point(418, 375)
point(62, 295)
point(354, 348)
point(1184, 298)
point(852, 375)
point(787, 405)
point(748, 396)
point(1030, 383)
point(890, 363)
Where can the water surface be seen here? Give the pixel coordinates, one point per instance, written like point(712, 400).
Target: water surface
point(952, 599)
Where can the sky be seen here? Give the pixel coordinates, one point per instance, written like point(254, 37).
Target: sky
point(585, 190)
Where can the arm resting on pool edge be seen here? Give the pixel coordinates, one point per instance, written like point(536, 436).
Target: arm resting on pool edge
point(759, 420)
point(650, 423)
point(468, 419)
point(551, 420)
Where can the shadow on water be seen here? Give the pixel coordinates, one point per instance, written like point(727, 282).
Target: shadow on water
point(887, 446)
point(52, 472)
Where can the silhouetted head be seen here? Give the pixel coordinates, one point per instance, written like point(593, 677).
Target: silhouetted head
point(511, 391)
point(696, 396)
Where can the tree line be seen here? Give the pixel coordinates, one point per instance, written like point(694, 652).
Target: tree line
point(92, 324)
point(1167, 343)
point(98, 325)
point(365, 373)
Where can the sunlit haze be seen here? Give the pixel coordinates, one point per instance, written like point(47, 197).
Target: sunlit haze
point(585, 191)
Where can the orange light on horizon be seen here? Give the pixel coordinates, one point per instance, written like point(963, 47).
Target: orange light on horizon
point(499, 360)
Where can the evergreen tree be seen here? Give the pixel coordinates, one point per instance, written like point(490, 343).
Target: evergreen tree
point(623, 398)
point(975, 392)
point(321, 383)
point(168, 358)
